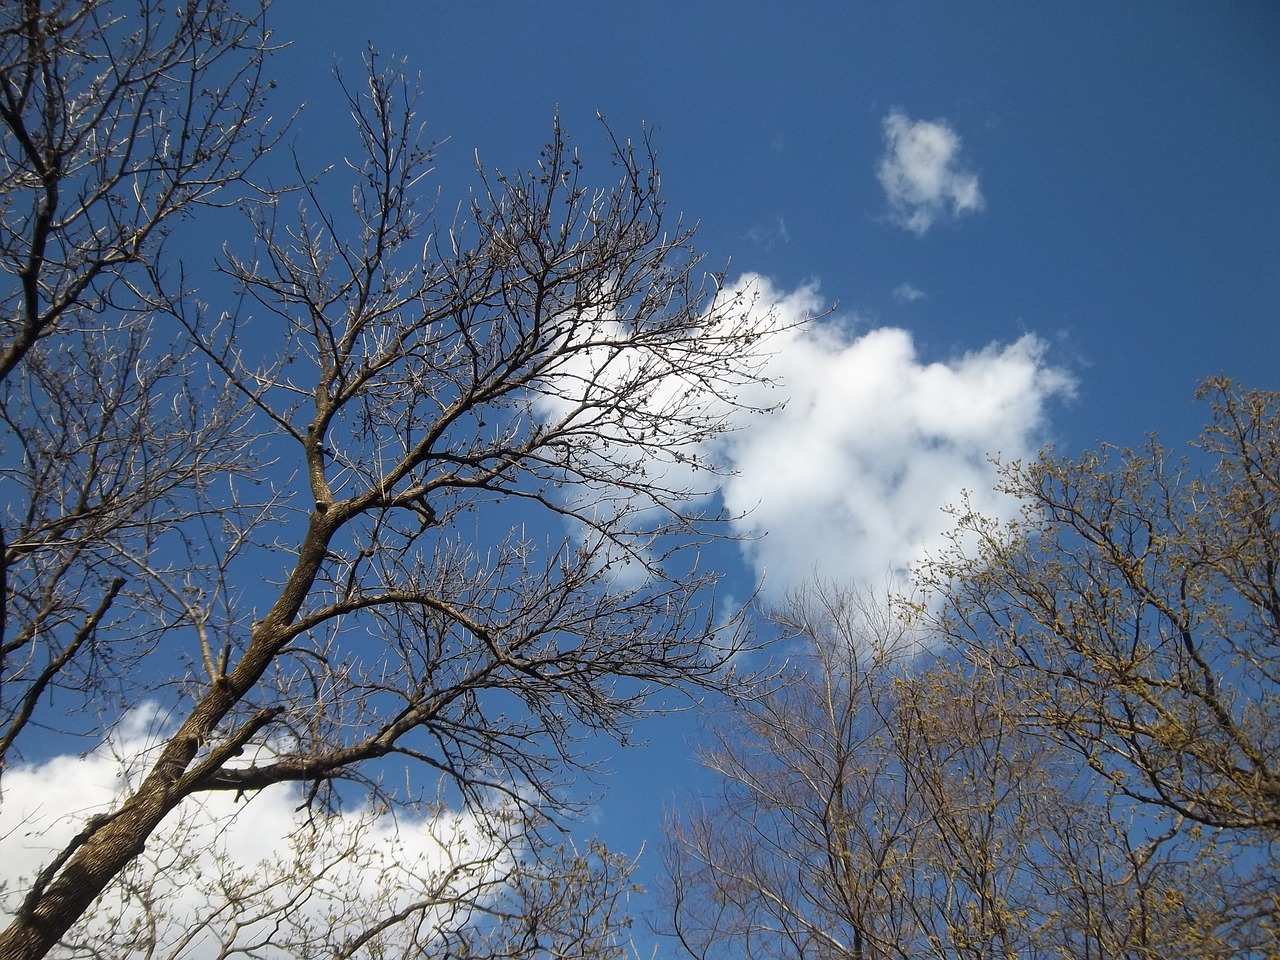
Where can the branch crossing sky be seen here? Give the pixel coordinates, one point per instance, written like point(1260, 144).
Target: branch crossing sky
point(1036, 223)
point(1029, 223)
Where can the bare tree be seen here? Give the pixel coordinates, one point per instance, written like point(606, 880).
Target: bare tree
point(416, 491)
point(1137, 604)
point(881, 802)
point(119, 121)
point(793, 858)
point(431, 880)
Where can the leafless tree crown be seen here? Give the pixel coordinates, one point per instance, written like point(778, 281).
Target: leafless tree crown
point(880, 802)
point(1137, 600)
point(396, 483)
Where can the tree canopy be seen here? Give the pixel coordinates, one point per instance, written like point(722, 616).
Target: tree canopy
point(1137, 603)
point(1065, 746)
point(389, 484)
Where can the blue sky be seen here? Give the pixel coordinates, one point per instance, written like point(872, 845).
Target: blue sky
point(1087, 222)
point(1125, 156)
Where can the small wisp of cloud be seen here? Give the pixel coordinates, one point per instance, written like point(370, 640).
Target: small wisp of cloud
point(766, 237)
point(921, 173)
point(908, 294)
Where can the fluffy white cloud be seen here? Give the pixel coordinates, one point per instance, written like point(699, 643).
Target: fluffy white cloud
point(291, 875)
point(921, 175)
point(849, 481)
point(638, 403)
point(850, 478)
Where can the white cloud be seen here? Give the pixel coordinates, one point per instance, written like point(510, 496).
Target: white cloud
point(292, 874)
point(906, 292)
point(921, 175)
point(640, 403)
point(851, 478)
